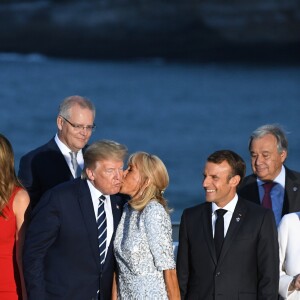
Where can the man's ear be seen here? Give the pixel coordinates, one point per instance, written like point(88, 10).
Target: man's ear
point(235, 180)
point(90, 174)
point(59, 122)
point(283, 155)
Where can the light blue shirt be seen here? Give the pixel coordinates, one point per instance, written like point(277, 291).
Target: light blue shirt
point(277, 194)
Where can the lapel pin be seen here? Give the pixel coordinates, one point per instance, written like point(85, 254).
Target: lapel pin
point(295, 188)
point(117, 206)
point(238, 218)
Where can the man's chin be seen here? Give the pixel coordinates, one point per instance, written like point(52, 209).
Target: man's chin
point(262, 176)
point(208, 199)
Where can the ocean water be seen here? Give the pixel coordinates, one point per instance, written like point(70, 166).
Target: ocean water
point(181, 112)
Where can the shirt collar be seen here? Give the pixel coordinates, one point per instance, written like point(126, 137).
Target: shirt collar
point(65, 150)
point(94, 192)
point(229, 206)
point(280, 179)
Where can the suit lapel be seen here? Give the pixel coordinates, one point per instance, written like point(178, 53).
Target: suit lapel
point(207, 225)
point(86, 205)
point(59, 159)
point(250, 190)
point(237, 220)
point(291, 192)
point(116, 211)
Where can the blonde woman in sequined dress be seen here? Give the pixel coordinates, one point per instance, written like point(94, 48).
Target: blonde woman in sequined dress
point(143, 241)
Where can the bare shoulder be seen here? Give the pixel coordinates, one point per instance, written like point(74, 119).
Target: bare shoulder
point(21, 200)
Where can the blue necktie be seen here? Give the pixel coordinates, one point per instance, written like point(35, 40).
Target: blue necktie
point(102, 228)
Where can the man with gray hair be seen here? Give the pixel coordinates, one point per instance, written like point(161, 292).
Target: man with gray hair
point(272, 184)
point(68, 250)
point(61, 159)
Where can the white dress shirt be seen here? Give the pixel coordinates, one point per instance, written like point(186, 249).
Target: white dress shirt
point(65, 150)
point(230, 207)
point(277, 194)
point(95, 193)
point(289, 254)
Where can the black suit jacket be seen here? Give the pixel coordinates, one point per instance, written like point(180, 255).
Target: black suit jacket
point(248, 264)
point(291, 203)
point(42, 169)
point(61, 257)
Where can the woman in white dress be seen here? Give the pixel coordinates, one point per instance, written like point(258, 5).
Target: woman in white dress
point(143, 242)
point(289, 247)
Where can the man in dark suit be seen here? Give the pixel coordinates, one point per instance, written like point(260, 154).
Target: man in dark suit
point(62, 257)
point(51, 164)
point(268, 148)
point(228, 246)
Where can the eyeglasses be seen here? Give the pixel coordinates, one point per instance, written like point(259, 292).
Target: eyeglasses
point(80, 127)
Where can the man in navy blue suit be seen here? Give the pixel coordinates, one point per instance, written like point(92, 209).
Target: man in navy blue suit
point(51, 164)
point(61, 252)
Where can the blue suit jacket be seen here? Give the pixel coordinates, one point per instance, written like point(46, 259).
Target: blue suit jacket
point(42, 169)
point(61, 256)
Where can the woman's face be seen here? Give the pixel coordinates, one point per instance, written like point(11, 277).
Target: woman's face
point(131, 181)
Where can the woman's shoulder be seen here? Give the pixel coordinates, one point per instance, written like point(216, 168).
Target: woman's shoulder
point(290, 219)
point(154, 208)
point(154, 204)
point(21, 198)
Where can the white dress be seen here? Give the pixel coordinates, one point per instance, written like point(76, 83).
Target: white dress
point(143, 249)
point(289, 253)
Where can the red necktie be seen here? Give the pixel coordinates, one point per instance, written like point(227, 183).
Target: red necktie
point(266, 201)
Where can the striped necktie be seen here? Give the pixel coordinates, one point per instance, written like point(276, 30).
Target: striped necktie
point(102, 229)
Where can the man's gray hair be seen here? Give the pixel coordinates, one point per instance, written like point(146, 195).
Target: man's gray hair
point(274, 129)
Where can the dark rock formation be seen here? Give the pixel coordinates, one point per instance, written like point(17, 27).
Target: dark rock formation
point(189, 29)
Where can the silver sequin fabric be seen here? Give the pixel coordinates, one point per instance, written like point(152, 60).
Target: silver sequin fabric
point(143, 249)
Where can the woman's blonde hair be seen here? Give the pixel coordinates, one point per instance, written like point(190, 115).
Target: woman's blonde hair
point(153, 182)
point(8, 177)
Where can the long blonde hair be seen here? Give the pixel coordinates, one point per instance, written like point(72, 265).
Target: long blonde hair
point(8, 177)
point(154, 180)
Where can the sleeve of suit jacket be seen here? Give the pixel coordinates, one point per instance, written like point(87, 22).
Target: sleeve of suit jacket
point(183, 257)
point(25, 172)
point(41, 234)
point(267, 257)
point(29, 179)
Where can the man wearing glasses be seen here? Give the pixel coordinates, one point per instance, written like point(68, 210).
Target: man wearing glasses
point(61, 159)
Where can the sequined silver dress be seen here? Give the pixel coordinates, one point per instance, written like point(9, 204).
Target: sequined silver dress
point(143, 249)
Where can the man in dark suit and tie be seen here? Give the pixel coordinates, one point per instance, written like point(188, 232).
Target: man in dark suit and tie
point(61, 159)
point(228, 246)
point(68, 251)
point(268, 148)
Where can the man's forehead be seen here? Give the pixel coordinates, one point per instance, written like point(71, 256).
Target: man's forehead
point(212, 167)
point(110, 163)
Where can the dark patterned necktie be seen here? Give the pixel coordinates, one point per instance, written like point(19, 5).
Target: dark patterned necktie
point(102, 228)
point(219, 231)
point(267, 201)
